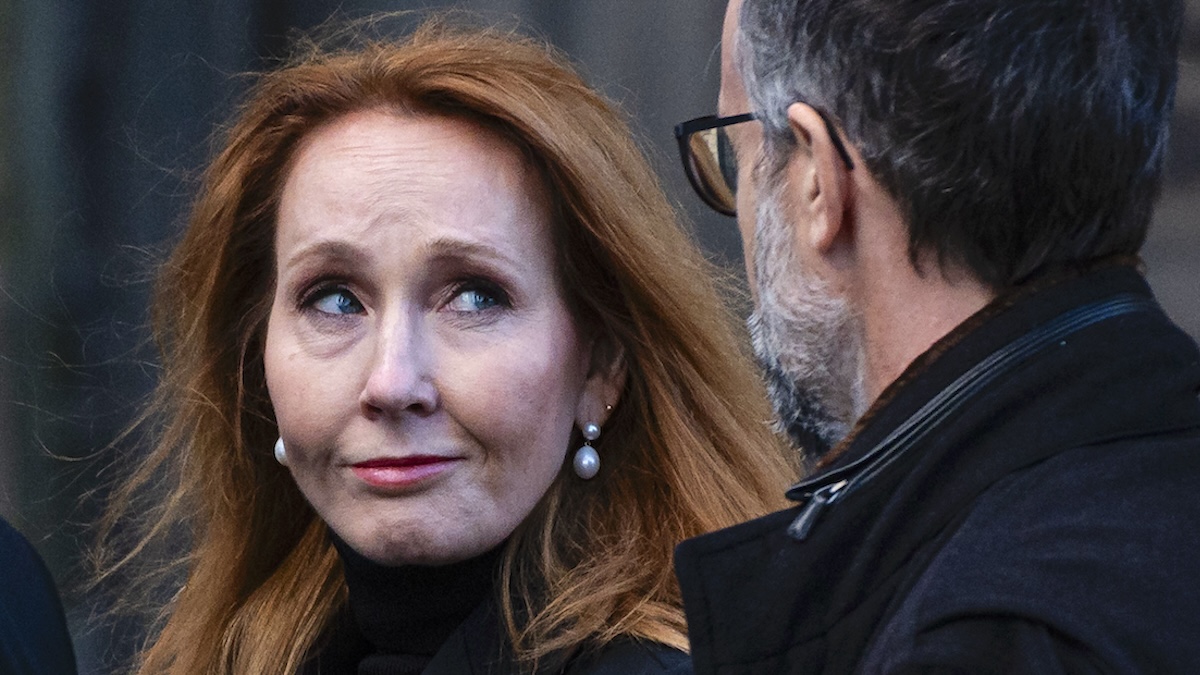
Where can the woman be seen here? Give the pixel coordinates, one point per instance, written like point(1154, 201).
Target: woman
point(440, 281)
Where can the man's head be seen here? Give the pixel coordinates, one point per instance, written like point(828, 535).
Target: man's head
point(1016, 135)
point(1008, 137)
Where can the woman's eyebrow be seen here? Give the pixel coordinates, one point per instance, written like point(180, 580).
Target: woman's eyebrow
point(326, 249)
point(444, 248)
point(458, 248)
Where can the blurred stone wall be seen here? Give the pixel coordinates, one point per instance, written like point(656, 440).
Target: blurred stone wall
point(1172, 252)
point(8, 227)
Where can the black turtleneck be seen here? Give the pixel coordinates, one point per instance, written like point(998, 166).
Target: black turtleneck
point(402, 615)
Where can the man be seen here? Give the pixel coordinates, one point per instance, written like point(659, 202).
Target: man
point(941, 204)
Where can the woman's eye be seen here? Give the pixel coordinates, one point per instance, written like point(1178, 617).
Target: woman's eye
point(476, 299)
point(336, 301)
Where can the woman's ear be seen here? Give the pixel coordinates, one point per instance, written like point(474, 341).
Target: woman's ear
point(604, 384)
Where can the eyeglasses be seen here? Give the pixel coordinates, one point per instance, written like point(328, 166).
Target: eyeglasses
point(710, 163)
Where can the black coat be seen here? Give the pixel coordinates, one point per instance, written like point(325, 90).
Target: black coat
point(1026, 498)
point(397, 615)
point(479, 647)
point(33, 631)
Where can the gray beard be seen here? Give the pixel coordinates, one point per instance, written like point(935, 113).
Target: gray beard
point(807, 340)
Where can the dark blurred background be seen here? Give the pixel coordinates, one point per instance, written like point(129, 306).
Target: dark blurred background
point(106, 112)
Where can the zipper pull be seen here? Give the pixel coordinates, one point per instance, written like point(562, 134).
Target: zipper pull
point(802, 526)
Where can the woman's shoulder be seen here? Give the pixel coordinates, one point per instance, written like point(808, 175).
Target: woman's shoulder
point(633, 657)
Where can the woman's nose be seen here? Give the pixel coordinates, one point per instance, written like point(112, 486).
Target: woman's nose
point(400, 377)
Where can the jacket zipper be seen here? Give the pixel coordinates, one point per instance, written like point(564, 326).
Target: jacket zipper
point(817, 502)
point(823, 492)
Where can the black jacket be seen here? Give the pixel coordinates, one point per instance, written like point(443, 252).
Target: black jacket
point(1026, 498)
point(33, 631)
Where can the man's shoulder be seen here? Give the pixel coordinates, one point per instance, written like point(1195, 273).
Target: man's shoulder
point(33, 631)
point(26, 582)
point(1085, 507)
point(1089, 552)
point(14, 548)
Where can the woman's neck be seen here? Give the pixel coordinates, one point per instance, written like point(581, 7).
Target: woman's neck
point(413, 609)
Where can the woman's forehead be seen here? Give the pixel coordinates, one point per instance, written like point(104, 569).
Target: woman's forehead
point(375, 176)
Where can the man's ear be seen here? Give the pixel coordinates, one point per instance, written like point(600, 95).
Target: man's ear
point(821, 184)
point(605, 382)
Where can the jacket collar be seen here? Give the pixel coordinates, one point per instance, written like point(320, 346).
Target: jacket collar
point(1079, 361)
point(1037, 324)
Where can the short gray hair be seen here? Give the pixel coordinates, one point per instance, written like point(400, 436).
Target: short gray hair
point(1017, 136)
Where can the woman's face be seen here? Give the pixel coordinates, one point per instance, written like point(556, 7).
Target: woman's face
point(425, 372)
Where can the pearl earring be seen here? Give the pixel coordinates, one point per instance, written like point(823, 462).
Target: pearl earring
point(587, 461)
point(280, 452)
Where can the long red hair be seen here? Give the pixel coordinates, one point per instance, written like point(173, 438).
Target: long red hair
point(690, 440)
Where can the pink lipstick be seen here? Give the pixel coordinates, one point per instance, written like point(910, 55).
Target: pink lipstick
point(401, 472)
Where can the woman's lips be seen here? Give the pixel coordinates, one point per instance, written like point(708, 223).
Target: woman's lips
point(401, 472)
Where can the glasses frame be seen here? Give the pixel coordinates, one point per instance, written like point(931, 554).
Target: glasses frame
point(684, 131)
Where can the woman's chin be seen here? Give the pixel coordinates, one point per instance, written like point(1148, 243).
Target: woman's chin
point(425, 549)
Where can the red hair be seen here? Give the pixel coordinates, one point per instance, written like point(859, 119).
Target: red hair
point(690, 440)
